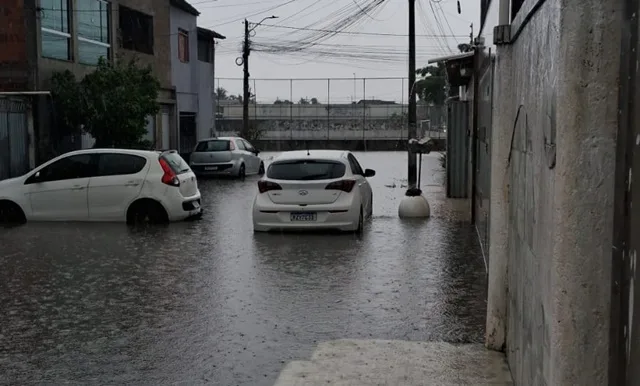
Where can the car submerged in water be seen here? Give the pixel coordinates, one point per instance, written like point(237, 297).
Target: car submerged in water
point(104, 185)
point(313, 190)
point(226, 156)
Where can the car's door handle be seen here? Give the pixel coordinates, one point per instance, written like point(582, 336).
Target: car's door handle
point(132, 183)
point(77, 187)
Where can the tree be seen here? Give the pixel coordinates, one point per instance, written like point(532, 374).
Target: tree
point(282, 102)
point(314, 101)
point(432, 87)
point(303, 101)
point(112, 103)
point(221, 93)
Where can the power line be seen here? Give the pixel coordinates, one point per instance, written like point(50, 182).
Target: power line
point(357, 33)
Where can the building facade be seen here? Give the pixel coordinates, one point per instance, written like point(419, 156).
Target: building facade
point(192, 74)
point(42, 37)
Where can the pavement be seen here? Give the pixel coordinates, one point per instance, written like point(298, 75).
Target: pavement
point(351, 362)
point(210, 302)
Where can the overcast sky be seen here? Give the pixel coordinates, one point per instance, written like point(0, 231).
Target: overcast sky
point(375, 47)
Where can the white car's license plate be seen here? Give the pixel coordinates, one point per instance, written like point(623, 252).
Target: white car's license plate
point(210, 168)
point(303, 216)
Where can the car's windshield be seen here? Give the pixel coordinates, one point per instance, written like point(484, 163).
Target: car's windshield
point(306, 170)
point(213, 145)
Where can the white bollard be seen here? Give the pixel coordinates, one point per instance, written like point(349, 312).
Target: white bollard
point(414, 206)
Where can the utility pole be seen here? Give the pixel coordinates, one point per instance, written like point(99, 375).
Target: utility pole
point(411, 163)
point(246, 49)
point(245, 94)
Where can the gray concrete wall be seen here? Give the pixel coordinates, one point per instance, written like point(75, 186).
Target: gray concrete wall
point(206, 101)
point(551, 213)
point(184, 76)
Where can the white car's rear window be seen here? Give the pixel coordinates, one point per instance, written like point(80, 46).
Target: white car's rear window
point(177, 163)
point(306, 170)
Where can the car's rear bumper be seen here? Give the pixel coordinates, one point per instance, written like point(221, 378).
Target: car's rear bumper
point(341, 219)
point(183, 208)
point(221, 169)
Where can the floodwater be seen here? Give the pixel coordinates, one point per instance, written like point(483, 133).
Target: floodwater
point(209, 302)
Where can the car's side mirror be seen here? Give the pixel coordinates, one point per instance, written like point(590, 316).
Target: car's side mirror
point(37, 176)
point(369, 172)
point(256, 151)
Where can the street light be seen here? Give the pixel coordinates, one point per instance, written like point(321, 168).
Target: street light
point(245, 61)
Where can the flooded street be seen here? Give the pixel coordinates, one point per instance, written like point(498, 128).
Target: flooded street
point(209, 302)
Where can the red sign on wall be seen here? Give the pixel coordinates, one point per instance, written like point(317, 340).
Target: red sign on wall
point(13, 51)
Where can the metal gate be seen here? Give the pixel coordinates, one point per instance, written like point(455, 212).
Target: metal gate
point(482, 147)
point(14, 138)
point(624, 352)
point(457, 149)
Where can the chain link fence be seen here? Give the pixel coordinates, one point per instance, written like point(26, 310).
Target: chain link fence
point(333, 109)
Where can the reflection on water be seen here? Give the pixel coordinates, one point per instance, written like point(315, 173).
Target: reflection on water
point(210, 302)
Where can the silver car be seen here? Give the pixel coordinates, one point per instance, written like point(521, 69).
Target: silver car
point(226, 156)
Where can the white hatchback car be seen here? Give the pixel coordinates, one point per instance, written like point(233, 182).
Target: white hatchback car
point(104, 185)
point(316, 189)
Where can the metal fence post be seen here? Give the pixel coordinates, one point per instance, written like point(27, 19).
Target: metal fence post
point(255, 106)
point(328, 107)
point(364, 112)
point(291, 108)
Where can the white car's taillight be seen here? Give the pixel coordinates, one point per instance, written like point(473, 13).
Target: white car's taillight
point(169, 177)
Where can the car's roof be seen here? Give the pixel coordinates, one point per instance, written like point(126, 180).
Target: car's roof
point(336, 155)
point(121, 151)
point(216, 138)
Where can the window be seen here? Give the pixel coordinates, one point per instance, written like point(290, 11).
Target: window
point(93, 30)
point(183, 46)
point(248, 146)
point(240, 145)
point(355, 166)
point(69, 168)
point(120, 164)
point(136, 30)
point(214, 145)
point(204, 50)
point(54, 27)
point(306, 170)
point(177, 163)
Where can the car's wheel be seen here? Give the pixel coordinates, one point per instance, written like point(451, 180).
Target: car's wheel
point(261, 168)
point(360, 228)
point(146, 212)
point(11, 213)
point(242, 172)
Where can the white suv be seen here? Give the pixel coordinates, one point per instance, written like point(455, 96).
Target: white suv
point(104, 185)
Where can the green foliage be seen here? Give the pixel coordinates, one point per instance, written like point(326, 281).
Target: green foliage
point(254, 133)
point(432, 87)
point(112, 103)
point(67, 98)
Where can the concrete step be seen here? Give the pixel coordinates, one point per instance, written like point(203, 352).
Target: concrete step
point(382, 362)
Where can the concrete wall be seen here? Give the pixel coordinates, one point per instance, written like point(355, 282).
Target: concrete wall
point(206, 101)
point(184, 76)
point(552, 192)
point(318, 129)
point(437, 114)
